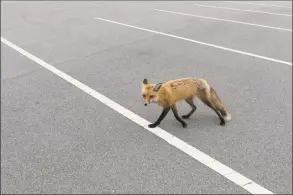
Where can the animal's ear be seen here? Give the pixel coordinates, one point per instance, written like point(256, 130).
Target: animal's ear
point(145, 81)
point(157, 87)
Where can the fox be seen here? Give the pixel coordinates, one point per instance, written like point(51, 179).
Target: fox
point(169, 93)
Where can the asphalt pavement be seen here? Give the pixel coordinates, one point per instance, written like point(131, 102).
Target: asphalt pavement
point(57, 139)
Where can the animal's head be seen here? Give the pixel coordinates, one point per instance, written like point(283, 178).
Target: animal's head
point(150, 92)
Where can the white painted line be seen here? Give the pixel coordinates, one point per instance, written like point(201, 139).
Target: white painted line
point(244, 10)
point(283, 2)
point(215, 165)
point(265, 5)
point(199, 42)
point(224, 20)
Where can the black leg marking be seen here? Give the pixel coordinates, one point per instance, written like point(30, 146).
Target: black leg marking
point(162, 116)
point(193, 108)
point(221, 118)
point(174, 109)
point(218, 113)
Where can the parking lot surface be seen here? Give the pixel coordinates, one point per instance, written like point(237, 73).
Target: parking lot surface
point(55, 138)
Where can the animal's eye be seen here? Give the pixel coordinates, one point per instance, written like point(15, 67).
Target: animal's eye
point(152, 96)
point(143, 95)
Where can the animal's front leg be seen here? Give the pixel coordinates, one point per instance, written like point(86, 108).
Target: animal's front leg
point(174, 109)
point(162, 116)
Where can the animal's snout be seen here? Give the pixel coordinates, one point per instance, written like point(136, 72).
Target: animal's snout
point(145, 104)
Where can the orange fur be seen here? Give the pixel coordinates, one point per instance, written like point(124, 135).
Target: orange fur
point(173, 91)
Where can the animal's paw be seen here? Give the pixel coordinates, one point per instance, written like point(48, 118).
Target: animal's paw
point(152, 125)
point(222, 123)
point(185, 116)
point(184, 125)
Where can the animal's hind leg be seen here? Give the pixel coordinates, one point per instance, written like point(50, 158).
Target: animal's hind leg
point(193, 107)
point(206, 100)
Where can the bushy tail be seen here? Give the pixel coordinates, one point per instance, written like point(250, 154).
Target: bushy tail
point(219, 105)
